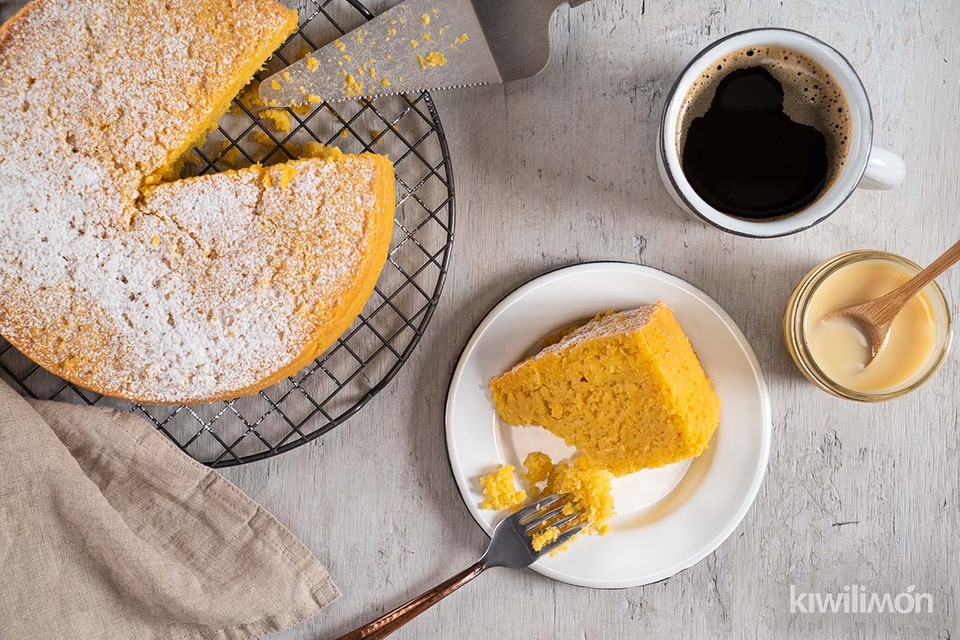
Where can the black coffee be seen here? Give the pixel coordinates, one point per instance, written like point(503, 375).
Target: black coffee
point(763, 133)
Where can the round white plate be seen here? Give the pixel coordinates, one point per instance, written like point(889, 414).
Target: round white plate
point(668, 519)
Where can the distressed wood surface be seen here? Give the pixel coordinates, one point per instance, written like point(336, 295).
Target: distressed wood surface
point(560, 169)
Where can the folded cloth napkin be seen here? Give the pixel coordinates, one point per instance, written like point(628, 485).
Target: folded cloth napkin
point(107, 530)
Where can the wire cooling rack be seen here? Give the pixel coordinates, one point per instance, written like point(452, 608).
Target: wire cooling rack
point(372, 351)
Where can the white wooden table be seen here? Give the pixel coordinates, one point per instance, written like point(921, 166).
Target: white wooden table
point(560, 169)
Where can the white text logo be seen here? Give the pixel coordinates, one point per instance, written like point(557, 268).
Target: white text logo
point(855, 599)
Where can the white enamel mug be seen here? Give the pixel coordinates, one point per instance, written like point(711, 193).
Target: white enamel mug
point(866, 166)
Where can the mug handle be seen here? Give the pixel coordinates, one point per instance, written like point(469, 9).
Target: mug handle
point(885, 170)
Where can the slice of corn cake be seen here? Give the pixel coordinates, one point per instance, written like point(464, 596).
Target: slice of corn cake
point(626, 389)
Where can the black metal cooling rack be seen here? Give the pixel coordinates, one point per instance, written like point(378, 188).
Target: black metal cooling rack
point(365, 359)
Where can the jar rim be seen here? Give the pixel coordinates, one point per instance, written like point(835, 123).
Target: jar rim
point(795, 331)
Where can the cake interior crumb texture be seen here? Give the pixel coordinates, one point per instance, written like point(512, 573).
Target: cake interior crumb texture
point(536, 469)
point(125, 280)
point(500, 490)
point(625, 389)
point(543, 537)
point(588, 487)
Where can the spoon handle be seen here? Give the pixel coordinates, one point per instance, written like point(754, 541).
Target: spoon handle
point(897, 298)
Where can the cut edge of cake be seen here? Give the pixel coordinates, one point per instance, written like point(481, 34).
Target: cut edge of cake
point(353, 301)
point(243, 76)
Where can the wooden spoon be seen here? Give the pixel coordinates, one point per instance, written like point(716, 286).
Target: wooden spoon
point(875, 317)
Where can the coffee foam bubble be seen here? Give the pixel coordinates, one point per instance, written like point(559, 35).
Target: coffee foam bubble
point(811, 96)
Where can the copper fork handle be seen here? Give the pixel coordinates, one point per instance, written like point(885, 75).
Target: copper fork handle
point(390, 622)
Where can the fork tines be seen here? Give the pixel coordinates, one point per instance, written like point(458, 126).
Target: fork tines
point(546, 513)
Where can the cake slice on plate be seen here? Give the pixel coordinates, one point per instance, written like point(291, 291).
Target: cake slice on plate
point(626, 389)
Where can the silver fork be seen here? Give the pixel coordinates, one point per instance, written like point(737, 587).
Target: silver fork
point(510, 546)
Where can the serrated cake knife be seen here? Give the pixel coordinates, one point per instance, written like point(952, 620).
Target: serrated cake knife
point(422, 45)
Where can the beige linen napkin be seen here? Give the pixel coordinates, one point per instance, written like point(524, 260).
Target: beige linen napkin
point(107, 530)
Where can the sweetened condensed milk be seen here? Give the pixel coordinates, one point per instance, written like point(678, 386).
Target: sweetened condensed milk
point(840, 349)
point(833, 354)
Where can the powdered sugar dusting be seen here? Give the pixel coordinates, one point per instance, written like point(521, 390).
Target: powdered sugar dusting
point(178, 291)
point(614, 324)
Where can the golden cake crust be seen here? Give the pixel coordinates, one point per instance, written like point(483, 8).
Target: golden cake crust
point(162, 291)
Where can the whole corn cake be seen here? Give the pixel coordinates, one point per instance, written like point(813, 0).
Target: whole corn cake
point(121, 278)
point(626, 389)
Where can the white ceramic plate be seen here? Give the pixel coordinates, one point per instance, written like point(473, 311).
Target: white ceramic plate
point(667, 519)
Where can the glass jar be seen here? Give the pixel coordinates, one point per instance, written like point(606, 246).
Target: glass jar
point(794, 327)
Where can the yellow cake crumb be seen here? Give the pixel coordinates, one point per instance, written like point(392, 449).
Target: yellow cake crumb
point(347, 57)
point(462, 38)
point(250, 97)
point(384, 82)
point(314, 99)
point(391, 32)
point(155, 240)
point(231, 155)
point(287, 173)
point(313, 149)
point(589, 488)
point(261, 138)
point(286, 76)
point(340, 46)
point(536, 469)
point(427, 37)
point(625, 389)
point(312, 64)
point(425, 18)
point(499, 489)
point(279, 119)
point(543, 538)
point(414, 44)
point(352, 86)
point(432, 59)
point(274, 85)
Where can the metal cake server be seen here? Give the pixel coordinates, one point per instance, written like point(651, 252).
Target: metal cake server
point(423, 45)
